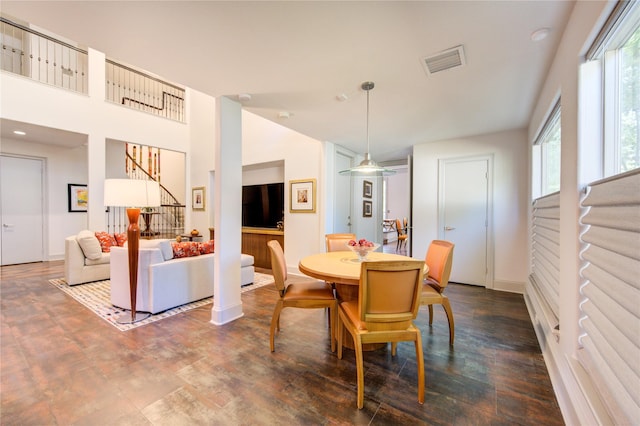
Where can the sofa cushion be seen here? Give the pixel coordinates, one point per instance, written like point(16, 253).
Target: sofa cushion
point(161, 244)
point(121, 238)
point(206, 247)
point(89, 245)
point(246, 260)
point(185, 249)
point(103, 260)
point(106, 241)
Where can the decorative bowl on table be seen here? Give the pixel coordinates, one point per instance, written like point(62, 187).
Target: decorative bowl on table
point(362, 248)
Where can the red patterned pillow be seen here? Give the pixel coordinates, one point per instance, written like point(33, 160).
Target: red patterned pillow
point(206, 247)
point(185, 249)
point(106, 241)
point(121, 238)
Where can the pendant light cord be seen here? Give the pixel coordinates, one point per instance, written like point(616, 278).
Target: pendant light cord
point(368, 121)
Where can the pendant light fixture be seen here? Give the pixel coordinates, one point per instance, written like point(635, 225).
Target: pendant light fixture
point(367, 167)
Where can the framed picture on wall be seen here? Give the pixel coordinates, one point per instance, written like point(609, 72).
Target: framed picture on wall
point(367, 209)
point(302, 196)
point(367, 189)
point(78, 197)
point(197, 198)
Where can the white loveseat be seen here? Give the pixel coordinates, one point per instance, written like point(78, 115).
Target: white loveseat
point(165, 282)
point(81, 267)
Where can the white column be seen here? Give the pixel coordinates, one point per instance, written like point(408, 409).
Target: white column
point(227, 305)
point(96, 143)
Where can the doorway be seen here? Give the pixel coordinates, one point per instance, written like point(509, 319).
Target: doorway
point(21, 210)
point(342, 218)
point(465, 209)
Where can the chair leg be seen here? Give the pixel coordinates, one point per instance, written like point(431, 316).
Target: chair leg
point(449, 312)
point(339, 330)
point(420, 362)
point(360, 370)
point(332, 326)
point(275, 323)
point(430, 314)
point(394, 348)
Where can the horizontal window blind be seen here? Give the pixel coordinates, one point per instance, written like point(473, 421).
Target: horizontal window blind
point(610, 290)
point(545, 250)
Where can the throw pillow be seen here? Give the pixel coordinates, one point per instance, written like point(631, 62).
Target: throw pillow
point(185, 249)
point(89, 245)
point(205, 247)
point(121, 238)
point(106, 241)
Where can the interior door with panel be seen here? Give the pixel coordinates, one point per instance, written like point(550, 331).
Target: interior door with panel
point(464, 216)
point(21, 210)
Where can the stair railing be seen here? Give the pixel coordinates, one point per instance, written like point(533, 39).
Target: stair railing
point(165, 221)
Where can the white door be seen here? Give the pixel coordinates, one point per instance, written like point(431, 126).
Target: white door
point(464, 210)
point(21, 210)
point(342, 219)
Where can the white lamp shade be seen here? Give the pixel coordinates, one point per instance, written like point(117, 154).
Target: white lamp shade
point(131, 193)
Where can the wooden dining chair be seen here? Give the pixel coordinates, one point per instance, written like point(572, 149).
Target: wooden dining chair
point(388, 302)
point(401, 229)
point(308, 294)
point(439, 260)
point(338, 242)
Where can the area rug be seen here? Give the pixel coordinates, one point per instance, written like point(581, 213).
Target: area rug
point(97, 297)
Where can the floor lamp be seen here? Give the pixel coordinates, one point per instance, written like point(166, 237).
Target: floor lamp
point(132, 194)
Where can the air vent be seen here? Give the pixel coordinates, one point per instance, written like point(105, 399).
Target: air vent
point(446, 60)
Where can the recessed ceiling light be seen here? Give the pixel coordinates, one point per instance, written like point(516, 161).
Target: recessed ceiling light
point(540, 34)
point(284, 114)
point(19, 132)
point(342, 97)
point(244, 97)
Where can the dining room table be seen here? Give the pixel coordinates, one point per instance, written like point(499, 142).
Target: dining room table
point(342, 268)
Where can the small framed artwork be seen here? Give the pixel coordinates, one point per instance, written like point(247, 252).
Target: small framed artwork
point(367, 209)
point(197, 198)
point(78, 197)
point(302, 195)
point(367, 189)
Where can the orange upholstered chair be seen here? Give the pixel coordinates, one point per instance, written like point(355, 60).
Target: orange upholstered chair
point(309, 294)
point(401, 229)
point(338, 242)
point(439, 260)
point(388, 302)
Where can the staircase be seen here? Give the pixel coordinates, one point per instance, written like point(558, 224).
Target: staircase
point(165, 221)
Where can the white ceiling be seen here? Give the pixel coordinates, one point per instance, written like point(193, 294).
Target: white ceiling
point(299, 56)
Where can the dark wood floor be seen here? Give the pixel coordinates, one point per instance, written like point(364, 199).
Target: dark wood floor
point(62, 365)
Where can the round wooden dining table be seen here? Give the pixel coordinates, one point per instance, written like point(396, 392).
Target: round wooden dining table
point(343, 269)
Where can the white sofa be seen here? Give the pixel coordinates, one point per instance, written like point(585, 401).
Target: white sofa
point(78, 268)
point(164, 282)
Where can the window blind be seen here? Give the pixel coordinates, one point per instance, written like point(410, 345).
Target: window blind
point(545, 250)
point(610, 290)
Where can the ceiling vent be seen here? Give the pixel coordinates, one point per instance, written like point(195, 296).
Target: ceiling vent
point(446, 60)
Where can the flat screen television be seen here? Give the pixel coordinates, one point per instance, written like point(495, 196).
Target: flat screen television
point(262, 205)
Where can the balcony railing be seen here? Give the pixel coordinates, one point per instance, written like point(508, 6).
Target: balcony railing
point(144, 92)
point(42, 58)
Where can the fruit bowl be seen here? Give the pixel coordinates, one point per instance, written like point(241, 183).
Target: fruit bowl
point(363, 250)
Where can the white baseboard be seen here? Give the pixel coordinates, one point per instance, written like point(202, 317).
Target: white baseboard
point(509, 286)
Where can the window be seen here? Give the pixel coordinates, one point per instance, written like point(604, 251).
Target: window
point(546, 156)
point(618, 50)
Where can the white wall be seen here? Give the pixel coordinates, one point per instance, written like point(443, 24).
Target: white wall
point(398, 195)
point(263, 173)
point(510, 198)
point(266, 141)
point(89, 115)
